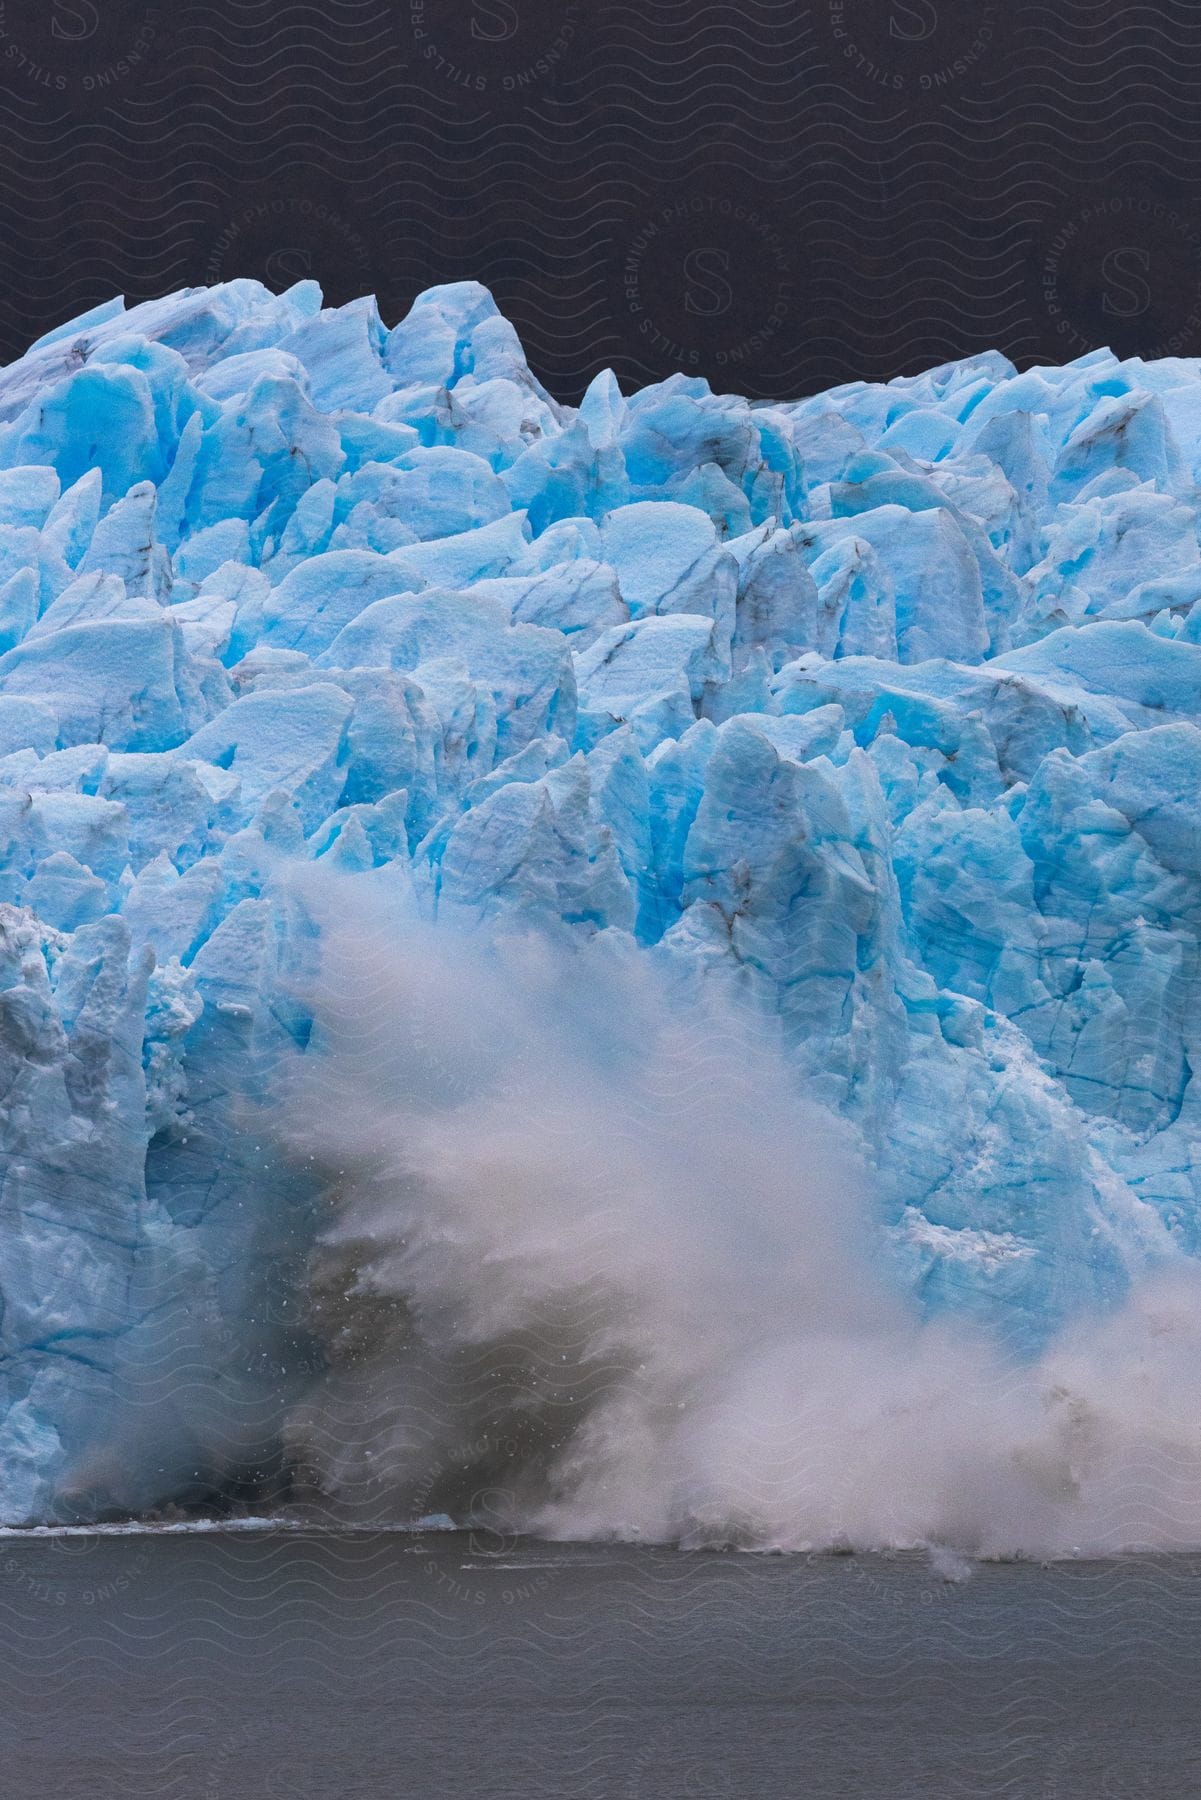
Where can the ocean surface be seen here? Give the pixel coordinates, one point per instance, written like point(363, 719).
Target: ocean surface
point(261, 1664)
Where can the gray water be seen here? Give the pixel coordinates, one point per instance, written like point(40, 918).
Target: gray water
point(264, 1665)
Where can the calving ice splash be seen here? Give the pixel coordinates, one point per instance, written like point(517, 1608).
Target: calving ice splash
point(622, 970)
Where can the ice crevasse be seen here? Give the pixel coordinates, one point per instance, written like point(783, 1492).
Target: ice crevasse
point(885, 701)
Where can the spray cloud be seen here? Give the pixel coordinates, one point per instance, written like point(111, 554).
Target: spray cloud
point(593, 1267)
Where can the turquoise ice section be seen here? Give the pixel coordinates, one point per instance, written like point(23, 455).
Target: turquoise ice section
point(884, 703)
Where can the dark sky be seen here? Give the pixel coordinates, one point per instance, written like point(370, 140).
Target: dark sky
point(778, 194)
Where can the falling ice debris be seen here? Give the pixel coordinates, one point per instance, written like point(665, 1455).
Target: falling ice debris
point(887, 700)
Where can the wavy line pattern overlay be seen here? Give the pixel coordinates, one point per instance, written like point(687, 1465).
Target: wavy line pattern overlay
point(779, 195)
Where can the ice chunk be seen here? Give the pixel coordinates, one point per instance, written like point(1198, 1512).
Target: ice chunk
point(651, 674)
point(286, 741)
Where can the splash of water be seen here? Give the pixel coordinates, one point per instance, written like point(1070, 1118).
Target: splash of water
point(592, 1267)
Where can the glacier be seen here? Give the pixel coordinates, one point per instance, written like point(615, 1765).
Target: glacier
point(879, 708)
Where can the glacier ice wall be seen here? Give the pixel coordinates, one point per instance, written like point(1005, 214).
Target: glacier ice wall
point(878, 710)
